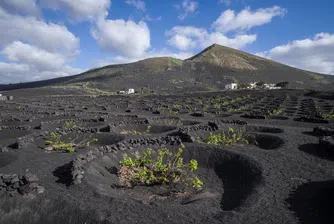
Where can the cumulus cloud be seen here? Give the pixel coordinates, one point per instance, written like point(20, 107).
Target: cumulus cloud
point(34, 49)
point(49, 36)
point(229, 20)
point(139, 4)
point(15, 72)
point(30, 63)
point(35, 57)
point(80, 10)
point(127, 38)
point(192, 37)
point(314, 54)
point(187, 7)
point(188, 37)
point(25, 7)
point(182, 42)
point(226, 2)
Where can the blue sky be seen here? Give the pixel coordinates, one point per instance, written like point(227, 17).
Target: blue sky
point(52, 38)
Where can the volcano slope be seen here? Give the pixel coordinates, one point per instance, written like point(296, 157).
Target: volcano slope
point(210, 70)
point(283, 173)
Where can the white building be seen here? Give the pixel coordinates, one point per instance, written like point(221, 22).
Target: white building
point(131, 91)
point(231, 86)
point(121, 92)
point(252, 85)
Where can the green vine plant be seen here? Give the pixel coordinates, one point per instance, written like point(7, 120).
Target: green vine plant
point(148, 129)
point(330, 115)
point(172, 112)
point(134, 132)
point(70, 124)
point(227, 139)
point(56, 144)
point(158, 167)
point(276, 111)
point(230, 110)
point(161, 108)
point(177, 106)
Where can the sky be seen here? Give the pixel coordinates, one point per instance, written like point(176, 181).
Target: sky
point(42, 39)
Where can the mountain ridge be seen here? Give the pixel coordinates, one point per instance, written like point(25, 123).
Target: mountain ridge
point(210, 69)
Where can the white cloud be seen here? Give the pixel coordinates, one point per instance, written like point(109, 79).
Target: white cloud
point(182, 42)
point(26, 7)
point(35, 57)
point(187, 38)
point(261, 54)
point(226, 2)
point(146, 18)
point(139, 4)
point(49, 36)
point(127, 38)
point(80, 10)
point(246, 19)
point(30, 63)
point(187, 7)
point(314, 54)
point(35, 49)
point(237, 42)
point(152, 54)
point(14, 73)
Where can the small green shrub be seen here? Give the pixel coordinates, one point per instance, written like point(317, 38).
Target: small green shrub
point(198, 139)
point(229, 138)
point(276, 111)
point(217, 106)
point(164, 168)
point(56, 144)
point(330, 115)
point(161, 108)
point(177, 106)
point(148, 129)
point(70, 124)
point(134, 132)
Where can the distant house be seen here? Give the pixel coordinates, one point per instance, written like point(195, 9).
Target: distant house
point(231, 86)
point(275, 87)
point(121, 92)
point(3, 98)
point(252, 85)
point(131, 91)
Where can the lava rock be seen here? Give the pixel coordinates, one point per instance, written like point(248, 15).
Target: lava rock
point(30, 178)
point(324, 130)
point(198, 114)
point(326, 143)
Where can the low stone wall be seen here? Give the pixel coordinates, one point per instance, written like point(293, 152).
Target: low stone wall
point(16, 127)
point(25, 140)
point(78, 163)
point(22, 184)
point(227, 121)
point(324, 130)
point(195, 128)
